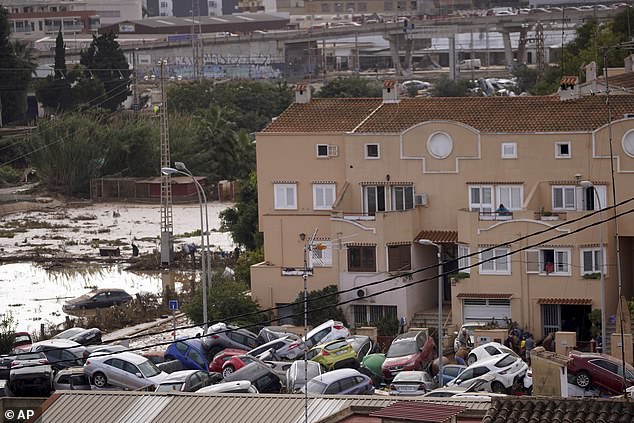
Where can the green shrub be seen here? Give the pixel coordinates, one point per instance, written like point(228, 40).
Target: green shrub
point(9, 175)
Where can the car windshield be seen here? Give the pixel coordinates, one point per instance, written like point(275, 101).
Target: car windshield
point(316, 387)
point(169, 387)
point(401, 348)
point(509, 351)
point(149, 369)
point(506, 361)
point(22, 338)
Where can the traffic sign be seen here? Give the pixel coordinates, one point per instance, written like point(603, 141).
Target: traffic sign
point(173, 305)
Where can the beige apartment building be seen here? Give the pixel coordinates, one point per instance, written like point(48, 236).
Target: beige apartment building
point(388, 183)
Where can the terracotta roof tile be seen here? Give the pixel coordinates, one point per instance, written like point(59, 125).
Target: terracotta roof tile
point(560, 410)
point(622, 80)
point(440, 237)
point(418, 412)
point(569, 80)
point(484, 295)
point(390, 83)
point(485, 114)
point(566, 301)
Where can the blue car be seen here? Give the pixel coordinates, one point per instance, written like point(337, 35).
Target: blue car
point(449, 372)
point(340, 382)
point(190, 353)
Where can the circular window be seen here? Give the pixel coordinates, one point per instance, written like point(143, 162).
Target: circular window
point(628, 143)
point(440, 145)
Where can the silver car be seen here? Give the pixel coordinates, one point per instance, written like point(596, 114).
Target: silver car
point(125, 370)
point(296, 374)
point(184, 381)
point(289, 347)
point(411, 382)
point(221, 335)
point(71, 379)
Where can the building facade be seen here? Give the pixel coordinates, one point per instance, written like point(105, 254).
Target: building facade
point(387, 184)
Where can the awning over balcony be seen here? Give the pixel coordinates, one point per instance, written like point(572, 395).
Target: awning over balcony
point(565, 301)
point(439, 237)
point(484, 295)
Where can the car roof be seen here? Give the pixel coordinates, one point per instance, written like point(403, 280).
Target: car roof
point(321, 327)
point(334, 375)
point(56, 343)
point(225, 386)
point(71, 370)
point(124, 355)
point(100, 290)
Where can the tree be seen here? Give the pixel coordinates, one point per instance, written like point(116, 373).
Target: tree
point(315, 316)
point(350, 87)
point(225, 298)
point(242, 220)
point(7, 333)
point(106, 61)
point(55, 92)
point(445, 87)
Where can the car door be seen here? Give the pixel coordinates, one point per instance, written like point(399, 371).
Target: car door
point(131, 377)
point(197, 361)
point(605, 375)
point(113, 368)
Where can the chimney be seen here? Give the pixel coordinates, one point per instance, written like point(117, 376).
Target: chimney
point(302, 93)
point(591, 71)
point(390, 92)
point(629, 63)
point(569, 88)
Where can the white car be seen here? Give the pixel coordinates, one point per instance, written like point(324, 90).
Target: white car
point(326, 332)
point(488, 350)
point(508, 370)
point(236, 387)
point(125, 369)
point(419, 85)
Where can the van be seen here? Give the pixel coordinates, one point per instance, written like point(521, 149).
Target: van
point(469, 64)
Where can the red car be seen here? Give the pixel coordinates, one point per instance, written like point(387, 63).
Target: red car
point(220, 358)
point(234, 363)
point(409, 351)
point(602, 371)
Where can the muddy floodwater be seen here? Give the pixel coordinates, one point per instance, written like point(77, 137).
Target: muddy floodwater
point(35, 295)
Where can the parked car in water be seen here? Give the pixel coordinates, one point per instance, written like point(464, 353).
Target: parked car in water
point(222, 357)
point(508, 370)
point(221, 335)
point(98, 298)
point(601, 371)
point(337, 354)
point(450, 371)
point(288, 347)
point(263, 377)
point(326, 332)
point(488, 350)
point(61, 353)
point(413, 350)
point(31, 372)
point(297, 374)
point(71, 379)
point(237, 387)
point(184, 381)
point(125, 370)
point(341, 381)
point(82, 336)
point(411, 382)
point(190, 352)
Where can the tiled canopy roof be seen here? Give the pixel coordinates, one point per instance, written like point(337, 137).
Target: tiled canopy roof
point(547, 410)
point(566, 301)
point(418, 412)
point(622, 80)
point(484, 295)
point(485, 114)
point(439, 237)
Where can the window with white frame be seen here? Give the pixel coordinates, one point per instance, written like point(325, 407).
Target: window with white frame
point(323, 196)
point(562, 150)
point(511, 196)
point(402, 197)
point(373, 199)
point(464, 261)
point(321, 254)
point(326, 150)
point(548, 261)
point(564, 197)
point(481, 198)
point(285, 196)
point(372, 151)
point(495, 261)
point(509, 150)
point(322, 150)
point(592, 260)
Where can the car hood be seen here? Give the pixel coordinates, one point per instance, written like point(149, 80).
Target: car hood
point(159, 378)
point(396, 361)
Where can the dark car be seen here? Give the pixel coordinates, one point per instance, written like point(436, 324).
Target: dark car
point(98, 298)
point(61, 353)
point(190, 353)
point(260, 375)
point(409, 351)
point(31, 372)
point(221, 336)
point(82, 336)
point(5, 365)
point(602, 371)
point(269, 333)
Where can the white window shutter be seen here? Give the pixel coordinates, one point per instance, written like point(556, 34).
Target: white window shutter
point(532, 261)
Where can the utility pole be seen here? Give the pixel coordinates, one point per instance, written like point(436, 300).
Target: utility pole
point(194, 42)
point(167, 226)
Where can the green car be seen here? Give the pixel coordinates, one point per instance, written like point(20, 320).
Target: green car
point(371, 367)
point(334, 355)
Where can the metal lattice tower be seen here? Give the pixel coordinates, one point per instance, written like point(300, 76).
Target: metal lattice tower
point(539, 47)
point(167, 225)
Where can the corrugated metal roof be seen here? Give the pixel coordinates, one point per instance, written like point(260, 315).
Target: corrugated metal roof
point(149, 407)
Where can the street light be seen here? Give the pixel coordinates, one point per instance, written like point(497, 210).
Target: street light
point(202, 199)
point(440, 297)
point(588, 185)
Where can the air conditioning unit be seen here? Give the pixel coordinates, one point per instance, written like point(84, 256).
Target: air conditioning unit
point(361, 293)
point(628, 115)
point(333, 150)
point(420, 200)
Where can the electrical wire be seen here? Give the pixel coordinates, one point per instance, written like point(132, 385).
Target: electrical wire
point(163, 343)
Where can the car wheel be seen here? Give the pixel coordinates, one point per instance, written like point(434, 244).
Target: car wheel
point(227, 371)
point(471, 359)
point(582, 379)
point(498, 387)
point(99, 380)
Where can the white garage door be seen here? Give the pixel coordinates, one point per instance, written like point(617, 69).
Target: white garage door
point(486, 309)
